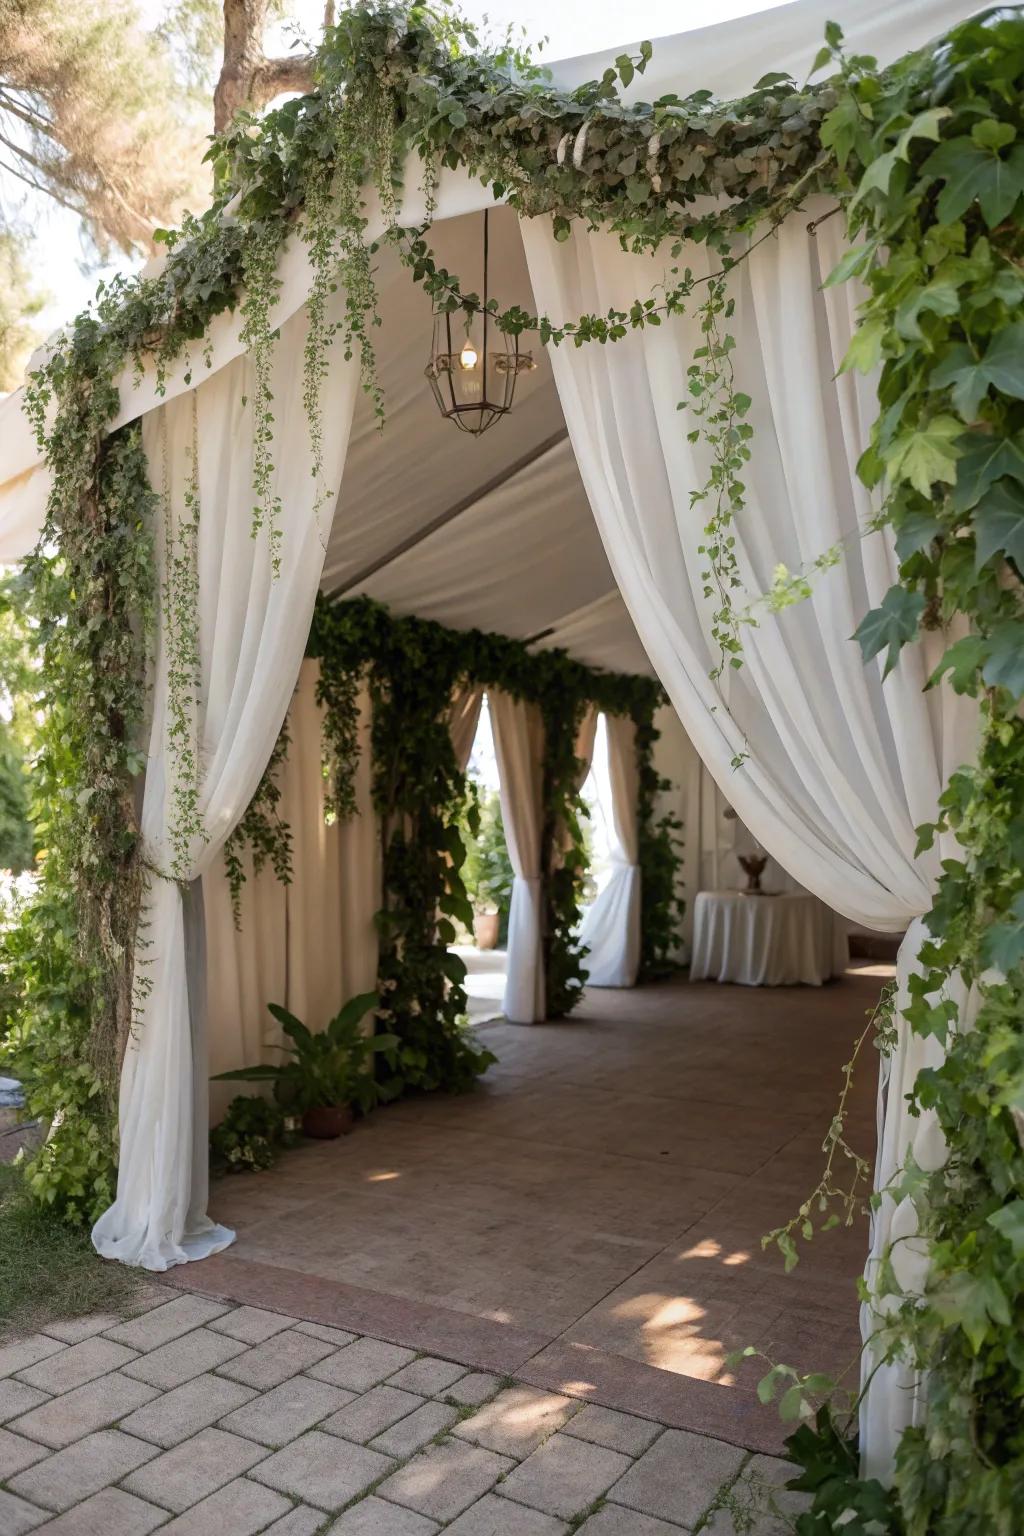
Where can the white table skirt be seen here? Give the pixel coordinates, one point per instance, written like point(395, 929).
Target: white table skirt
point(766, 941)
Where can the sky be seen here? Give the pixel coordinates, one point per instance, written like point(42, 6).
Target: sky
point(572, 27)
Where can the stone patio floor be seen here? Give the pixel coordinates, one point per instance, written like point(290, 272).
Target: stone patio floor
point(199, 1418)
point(589, 1219)
point(507, 1314)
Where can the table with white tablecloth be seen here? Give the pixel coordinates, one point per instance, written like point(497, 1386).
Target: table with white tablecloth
point(766, 940)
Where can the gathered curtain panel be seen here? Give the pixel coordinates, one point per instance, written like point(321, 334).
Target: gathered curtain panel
point(252, 630)
point(463, 719)
point(836, 768)
point(311, 944)
point(519, 749)
point(583, 748)
point(611, 924)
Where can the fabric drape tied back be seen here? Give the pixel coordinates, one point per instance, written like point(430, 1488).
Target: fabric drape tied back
point(836, 769)
point(611, 925)
point(252, 624)
point(519, 748)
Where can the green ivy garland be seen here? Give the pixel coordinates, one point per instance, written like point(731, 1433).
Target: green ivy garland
point(262, 832)
point(418, 791)
point(413, 666)
point(659, 843)
point(934, 169)
point(67, 963)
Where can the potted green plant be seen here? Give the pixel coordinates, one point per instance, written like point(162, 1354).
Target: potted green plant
point(329, 1074)
point(487, 871)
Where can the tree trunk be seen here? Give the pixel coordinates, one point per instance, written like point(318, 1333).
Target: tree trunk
point(248, 79)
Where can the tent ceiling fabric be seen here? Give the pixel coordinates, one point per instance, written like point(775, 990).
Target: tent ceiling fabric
point(521, 555)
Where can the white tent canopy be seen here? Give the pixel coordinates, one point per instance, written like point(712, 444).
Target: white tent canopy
point(568, 523)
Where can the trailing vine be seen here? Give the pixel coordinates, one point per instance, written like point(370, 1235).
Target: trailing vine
point(659, 842)
point(413, 666)
point(180, 602)
point(418, 793)
point(563, 864)
point(932, 161)
point(67, 974)
point(262, 832)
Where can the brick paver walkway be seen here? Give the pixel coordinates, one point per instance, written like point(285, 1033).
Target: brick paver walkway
point(198, 1418)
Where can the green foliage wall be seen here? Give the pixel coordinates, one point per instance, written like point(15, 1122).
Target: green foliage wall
point(413, 667)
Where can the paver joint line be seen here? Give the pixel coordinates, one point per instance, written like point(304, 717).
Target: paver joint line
point(202, 1457)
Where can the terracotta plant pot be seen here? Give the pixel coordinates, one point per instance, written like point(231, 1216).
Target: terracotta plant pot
point(328, 1121)
point(485, 929)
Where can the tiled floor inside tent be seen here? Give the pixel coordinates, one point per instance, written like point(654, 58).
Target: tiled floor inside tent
point(590, 1219)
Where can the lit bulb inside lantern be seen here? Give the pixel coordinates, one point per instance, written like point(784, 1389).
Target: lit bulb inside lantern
point(468, 356)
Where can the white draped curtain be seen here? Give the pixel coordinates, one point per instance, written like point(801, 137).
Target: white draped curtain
point(519, 749)
point(837, 768)
point(611, 925)
point(252, 629)
point(336, 866)
point(583, 747)
point(463, 719)
point(311, 944)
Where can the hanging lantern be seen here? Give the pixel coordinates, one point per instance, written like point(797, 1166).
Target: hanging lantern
point(473, 365)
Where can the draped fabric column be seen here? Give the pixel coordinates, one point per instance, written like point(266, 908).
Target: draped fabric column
point(311, 944)
point(519, 748)
point(463, 719)
point(583, 747)
point(835, 768)
point(611, 926)
point(336, 867)
point(252, 629)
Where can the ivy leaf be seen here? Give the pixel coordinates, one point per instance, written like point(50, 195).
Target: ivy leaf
point(973, 1302)
point(865, 350)
point(983, 459)
point(924, 126)
point(1010, 1223)
point(926, 455)
point(939, 297)
point(839, 130)
point(915, 533)
point(962, 661)
point(991, 134)
point(999, 523)
point(1002, 945)
point(853, 261)
point(1005, 665)
point(1004, 360)
point(890, 626)
point(968, 376)
point(876, 178)
point(972, 172)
